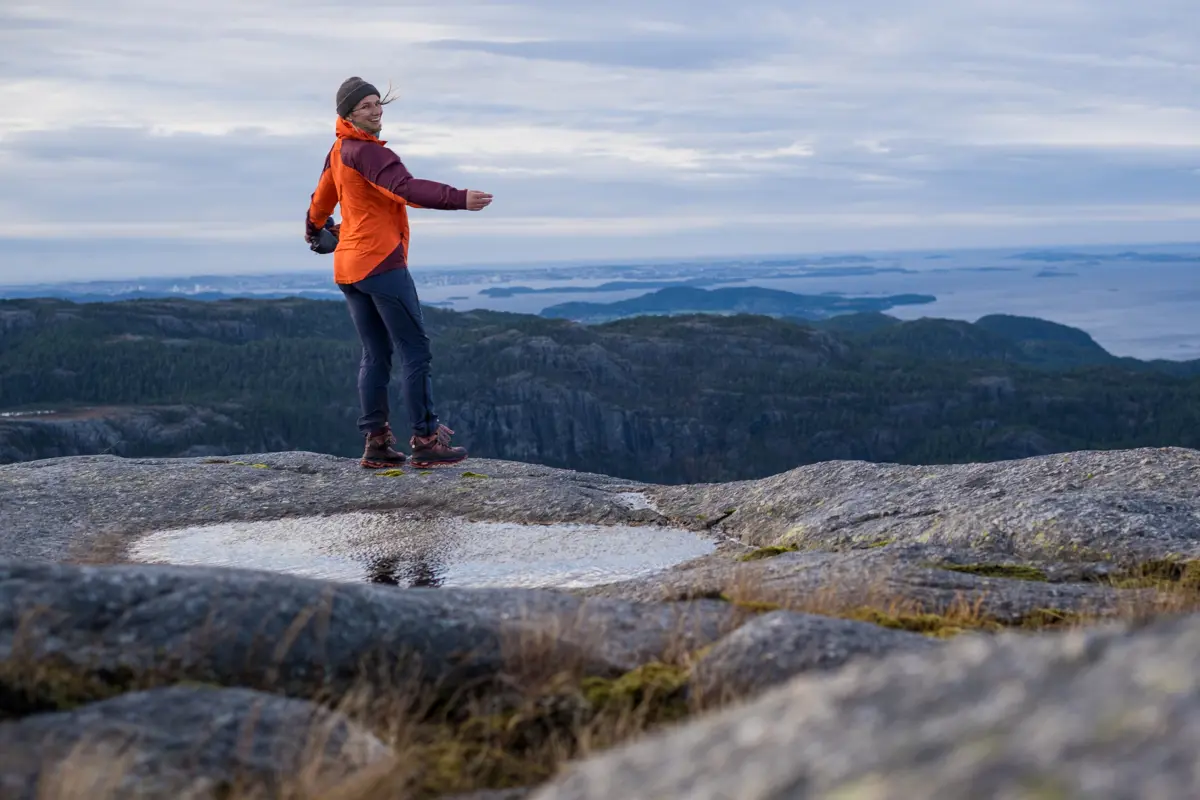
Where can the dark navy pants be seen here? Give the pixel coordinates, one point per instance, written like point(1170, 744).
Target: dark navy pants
point(387, 314)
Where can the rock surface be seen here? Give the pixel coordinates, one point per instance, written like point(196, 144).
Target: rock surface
point(77, 632)
point(184, 742)
point(1108, 714)
point(57, 508)
point(857, 710)
point(897, 577)
point(1085, 505)
point(777, 646)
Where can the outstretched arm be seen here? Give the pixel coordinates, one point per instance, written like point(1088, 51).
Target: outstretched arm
point(384, 170)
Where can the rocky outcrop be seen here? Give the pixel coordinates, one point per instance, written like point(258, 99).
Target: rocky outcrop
point(904, 578)
point(1093, 506)
point(777, 646)
point(1084, 714)
point(57, 508)
point(185, 742)
point(77, 633)
point(881, 631)
point(1102, 506)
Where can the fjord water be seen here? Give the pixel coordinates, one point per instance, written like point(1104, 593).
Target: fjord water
point(393, 547)
point(1135, 300)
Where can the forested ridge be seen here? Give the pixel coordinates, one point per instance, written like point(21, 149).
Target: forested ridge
point(671, 399)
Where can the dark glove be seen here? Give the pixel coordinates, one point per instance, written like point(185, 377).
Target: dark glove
point(325, 240)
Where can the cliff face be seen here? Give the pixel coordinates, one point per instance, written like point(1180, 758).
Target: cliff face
point(182, 431)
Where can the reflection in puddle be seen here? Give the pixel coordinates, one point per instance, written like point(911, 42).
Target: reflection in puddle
point(395, 549)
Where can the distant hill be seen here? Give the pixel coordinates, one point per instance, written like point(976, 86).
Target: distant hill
point(688, 398)
point(729, 300)
point(857, 322)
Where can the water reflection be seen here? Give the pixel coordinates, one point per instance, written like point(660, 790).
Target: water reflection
point(394, 570)
point(394, 548)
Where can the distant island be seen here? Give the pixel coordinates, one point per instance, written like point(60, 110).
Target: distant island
point(1129, 255)
point(628, 285)
point(734, 300)
point(609, 286)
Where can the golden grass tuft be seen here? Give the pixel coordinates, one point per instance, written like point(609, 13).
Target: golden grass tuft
point(1154, 589)
point(551, 706)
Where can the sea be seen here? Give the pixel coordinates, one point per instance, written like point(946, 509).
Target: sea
point(1135, 300)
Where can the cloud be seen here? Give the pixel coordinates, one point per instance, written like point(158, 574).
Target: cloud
point(735, 126)
point(664, 52)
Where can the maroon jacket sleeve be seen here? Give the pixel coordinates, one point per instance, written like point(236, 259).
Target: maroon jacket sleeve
point(383, 169)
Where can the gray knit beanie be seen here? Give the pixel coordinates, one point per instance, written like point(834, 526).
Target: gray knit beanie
point(351, 93)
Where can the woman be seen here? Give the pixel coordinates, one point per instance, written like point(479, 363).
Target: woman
point(370, 266)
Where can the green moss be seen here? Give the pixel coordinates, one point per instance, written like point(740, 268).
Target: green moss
point(754, 606)
point(880, 543)
point(1017, 572)
point(390, 473)
point(657, 689)
point(933, 625)
point(261, 466)
point(1043, 788)
point(944, 627)
point(770, 551)
point(30, 687)
point(473, 475)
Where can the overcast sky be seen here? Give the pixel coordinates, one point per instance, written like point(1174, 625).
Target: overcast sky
point(150, 138)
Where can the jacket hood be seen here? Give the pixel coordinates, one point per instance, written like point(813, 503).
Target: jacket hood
point(345, 129)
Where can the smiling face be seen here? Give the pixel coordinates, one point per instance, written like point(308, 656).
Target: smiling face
point(368, 114)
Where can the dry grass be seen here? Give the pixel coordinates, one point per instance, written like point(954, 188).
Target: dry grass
point(1149, 590)
point(549, 707)
point(102, 547)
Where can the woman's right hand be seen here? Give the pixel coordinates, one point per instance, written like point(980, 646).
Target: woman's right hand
point(477, 201)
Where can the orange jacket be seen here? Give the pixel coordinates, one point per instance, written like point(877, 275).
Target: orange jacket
point(374, 189)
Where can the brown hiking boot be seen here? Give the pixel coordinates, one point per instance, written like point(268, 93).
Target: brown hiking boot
point(379, 453)
point(435, 450)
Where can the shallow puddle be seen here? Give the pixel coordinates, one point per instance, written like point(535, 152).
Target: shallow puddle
point(390, 548)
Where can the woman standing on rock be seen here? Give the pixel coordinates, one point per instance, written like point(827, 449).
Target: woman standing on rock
point(370, 266)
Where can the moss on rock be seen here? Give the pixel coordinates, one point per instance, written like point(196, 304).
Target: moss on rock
point(1018, 572)
point(770, 551)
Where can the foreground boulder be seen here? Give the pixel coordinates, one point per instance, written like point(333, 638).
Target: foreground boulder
point(73, 633)
point(775, 647)
point(1104, 713)
point(186, 742)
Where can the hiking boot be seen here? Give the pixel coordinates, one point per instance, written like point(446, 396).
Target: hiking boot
point(379, 453)
point(435, 450)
